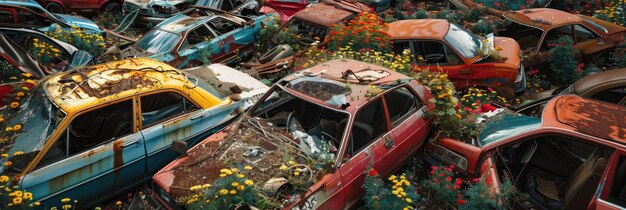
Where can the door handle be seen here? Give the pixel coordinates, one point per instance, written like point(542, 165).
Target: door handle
point(129, 143)
point(465, 71)
point(389, 142)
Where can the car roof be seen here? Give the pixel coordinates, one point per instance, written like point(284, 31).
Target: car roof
point(588, 116)
point(356, 91)
point(107, 82)
point(194, 16)
point(329, 12)
point(544, 18)
point(419, 28)
point(600, 81)
point(27, 3)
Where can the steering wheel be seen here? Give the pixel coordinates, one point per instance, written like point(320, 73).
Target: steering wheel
point(433, 57)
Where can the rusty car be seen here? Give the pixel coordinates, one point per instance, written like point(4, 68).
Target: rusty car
point(97, 131)
point(68, 56)
point(197, 34)
point(536, 30)
point(571, 157)
point(437, 44)
point(90, 6)
point(285, 8)
point(29, 14)
point(156, 11)
point(329, 123)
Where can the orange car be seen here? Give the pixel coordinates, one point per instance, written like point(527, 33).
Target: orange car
point(439, 43)
point(535, 29)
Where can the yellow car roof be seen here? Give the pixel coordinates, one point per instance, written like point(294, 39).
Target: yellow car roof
point(94, 85)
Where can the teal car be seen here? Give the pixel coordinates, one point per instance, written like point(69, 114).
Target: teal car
point(29, 14)
point(199, 35)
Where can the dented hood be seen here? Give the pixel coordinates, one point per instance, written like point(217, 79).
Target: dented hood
point(14, 54)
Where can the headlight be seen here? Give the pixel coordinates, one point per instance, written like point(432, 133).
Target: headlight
point(165, 9)
point(449, 157)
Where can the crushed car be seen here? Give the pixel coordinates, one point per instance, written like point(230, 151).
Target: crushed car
point(199, 35)
point(29, 14)
point(68, 56)
point(572, 157)
point(90, 6)
point(285, 8)
point(156, 11)
point(438, 44)
point(98, 131)
point(328, 123)
point(536, 29)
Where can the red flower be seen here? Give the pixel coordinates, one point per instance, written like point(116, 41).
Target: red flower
point(476, 179)
point(441, 174)
point(372, 173)
point(459, 195)
point(449, 178)
point(461, 201)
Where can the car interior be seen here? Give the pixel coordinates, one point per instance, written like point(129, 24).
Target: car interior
point(527, 37)
point(222, 26)
point(158, 107)
point(556, 172)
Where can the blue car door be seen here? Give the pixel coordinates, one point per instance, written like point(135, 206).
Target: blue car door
point(95, 155)
point(238, 40)
point(168, 116)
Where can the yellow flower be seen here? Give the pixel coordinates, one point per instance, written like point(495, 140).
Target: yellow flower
point(66, 207)
point(4, 179)
point(296, 173)
point(235, 184)
point(18, 153)
point(291, 162)
point(241, 187)
point(14, 104)
point(392, 177)
point(65, 200)
point(37, 203)
point(17, 128)
point(119, 203)
point(28, 196)
point(247, 167)
point(249, 182)
point(8, 163)
point(17, 201)
point(283, 167)
point(224, 191)
point(206, 186)
point(222, 175)
point(241, 175)
point(233, 192)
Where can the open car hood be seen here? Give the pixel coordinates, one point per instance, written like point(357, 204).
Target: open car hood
point(25, 62)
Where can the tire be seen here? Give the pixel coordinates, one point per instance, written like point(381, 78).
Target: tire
point(112, 7)
point(278, 52)
point(55, 8)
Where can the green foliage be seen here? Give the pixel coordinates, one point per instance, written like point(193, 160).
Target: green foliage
point(615, 12)
point(231, 189)
point(79, 38)
point(365, 32)
point(291, 36)
point(618, 56)
point(379, 195)
point(204, 55)
point(564, 67)
point(269, 27)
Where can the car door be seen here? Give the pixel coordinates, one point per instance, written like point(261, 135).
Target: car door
point(237, 40)
point(433, 55)
point(99, 153)
point(201, 45)
point(408, 126)
point(168, 116)
point(543, 57)
point(365, 149)
point(612, 194)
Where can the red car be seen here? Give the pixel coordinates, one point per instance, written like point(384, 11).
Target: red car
point(573, 157)
point(336, 120)
point(285, 8)
point(89, 6)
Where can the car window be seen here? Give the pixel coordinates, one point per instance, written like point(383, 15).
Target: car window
point(226, 5)
point(222, 25)
point(554, 34)
point(527, 37)
point(401, 103)
point(617, 195)
point(159, 107)
point(614, 95)
point(45, 50)
point(584, 34)
point(6, 16)
point(91, 129)
point(369, 124)
point(28, 18)
point(432, 52)
point(199, 35)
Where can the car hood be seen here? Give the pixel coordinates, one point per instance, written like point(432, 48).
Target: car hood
point(80, 22)
point(234, 147)
point(505, 125)
point(509, 49)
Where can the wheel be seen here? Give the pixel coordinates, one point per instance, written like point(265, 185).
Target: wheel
point(54, 8)
point(112, 7)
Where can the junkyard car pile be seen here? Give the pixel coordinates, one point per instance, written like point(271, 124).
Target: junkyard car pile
point(206, 104)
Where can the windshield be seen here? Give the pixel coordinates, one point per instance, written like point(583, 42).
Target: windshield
point(463, 41)
point(28, 129)
point(506, 125)
point(208, 3)
point(158, 41)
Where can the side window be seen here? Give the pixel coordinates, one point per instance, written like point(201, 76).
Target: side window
point(432, 52)
point(452, 57)
point(158, 107)
point(6, 16)
point(613, 95)
point(199, 35)
point(527, 37)
point(554, 34)
point(26, 17)
point(401, 103)
point(617, 194)
point(583, 34)
point(91, 129)
point(222, 25)
point(400, 46)
point(370, 123)
point(227, 5)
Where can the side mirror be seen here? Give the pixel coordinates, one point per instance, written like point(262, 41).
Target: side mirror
point(179, 147)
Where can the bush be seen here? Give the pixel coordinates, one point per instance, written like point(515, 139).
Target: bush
point(587, 7)
point(565, 69)
point(378, 195)
point(232, 188)
point(81, 39)
point(365, 32)
point(314, 56)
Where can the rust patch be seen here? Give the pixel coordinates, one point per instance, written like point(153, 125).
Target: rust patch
point(118, 157)
point(592, 117)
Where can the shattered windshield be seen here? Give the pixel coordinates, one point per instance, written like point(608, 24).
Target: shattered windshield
point(158, 41)
point(28, 129)
point(463, 41)
point(329, 91)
